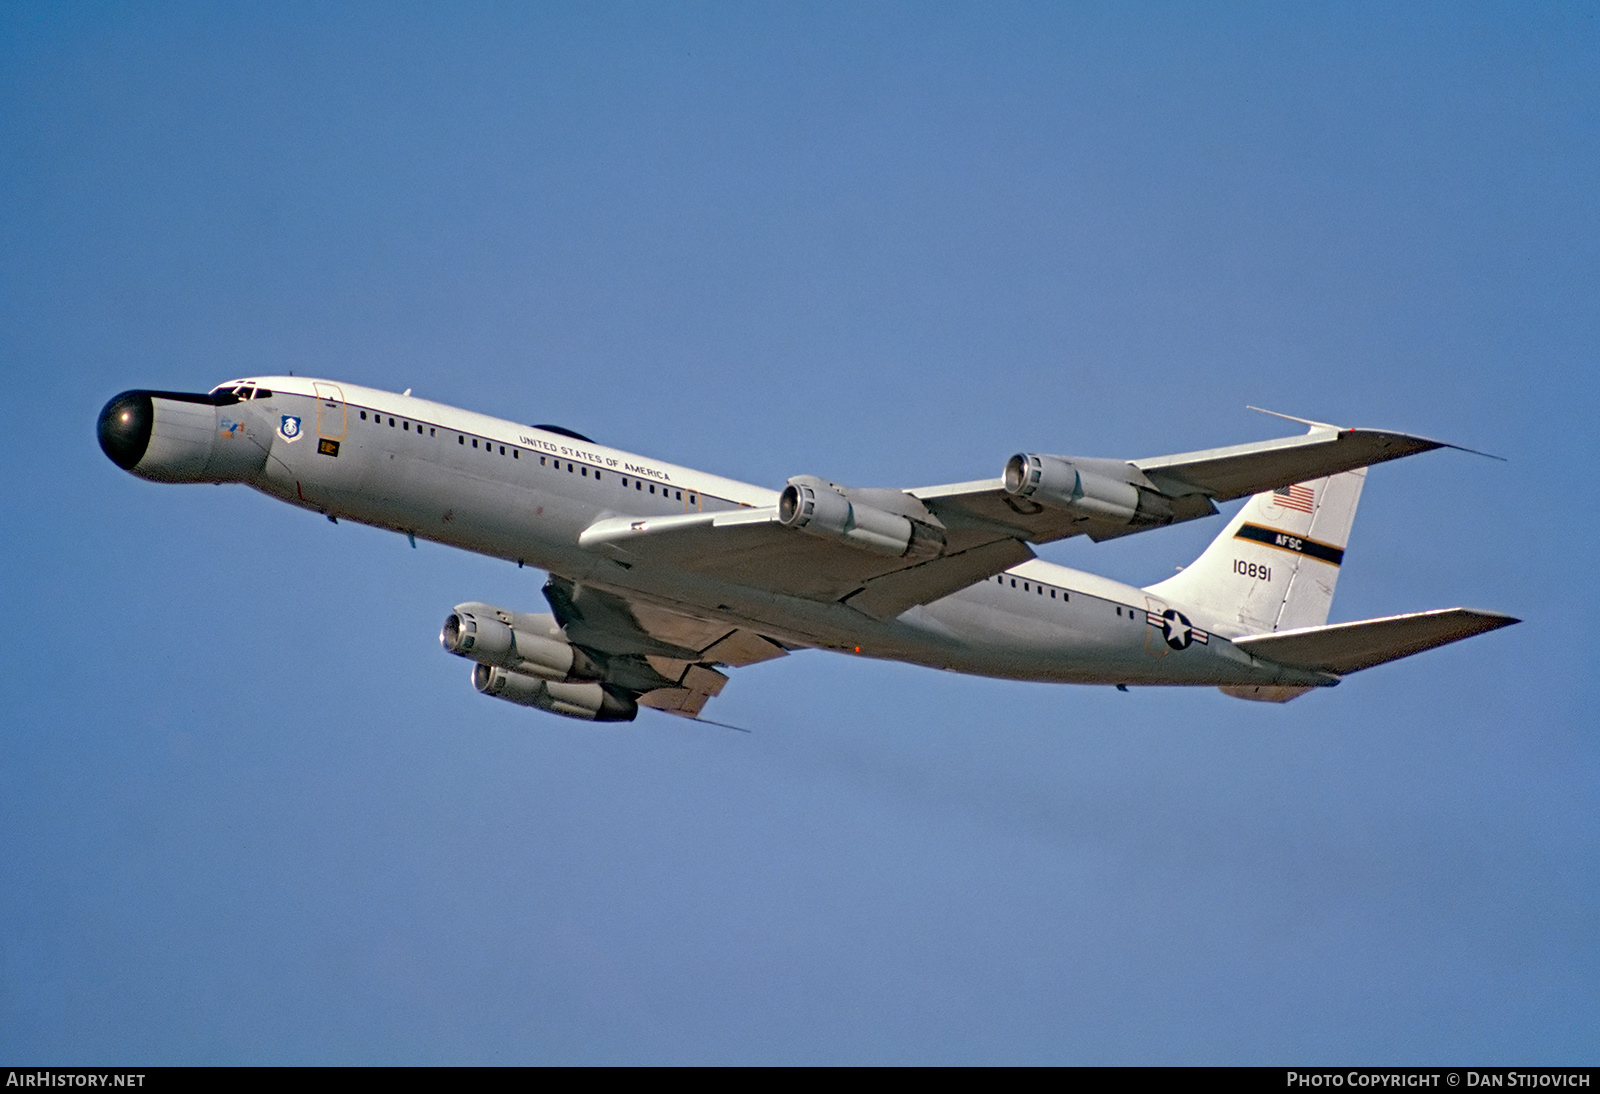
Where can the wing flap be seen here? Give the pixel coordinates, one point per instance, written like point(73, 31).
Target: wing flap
point(663, 656)
point(739, 648)
point(698, 686)
point(1342, 648)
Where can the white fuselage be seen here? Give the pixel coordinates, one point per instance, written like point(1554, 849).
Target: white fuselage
point(524, 494)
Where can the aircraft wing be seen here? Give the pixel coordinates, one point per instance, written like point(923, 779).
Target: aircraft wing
point(1184, 486)
point(961, 533)
point(751, 547)
point(1223, 474)
point(665, 657)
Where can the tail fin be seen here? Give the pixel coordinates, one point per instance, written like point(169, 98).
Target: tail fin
point(1275, 565)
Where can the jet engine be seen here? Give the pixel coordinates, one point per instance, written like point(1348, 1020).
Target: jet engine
point(522, 644)
point(1100, 489)
point(590, 701)
point(822, 509)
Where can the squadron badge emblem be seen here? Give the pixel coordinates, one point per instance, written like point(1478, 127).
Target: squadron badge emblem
point(289, 427)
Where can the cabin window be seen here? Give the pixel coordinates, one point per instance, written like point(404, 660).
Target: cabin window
point(502, 450)
point(516, 453)
point(1052, 594)
point(693, 500)
point(460, 439)
point(391, 422)
point(652, 488)
point(363, 415)
point(430, 431)
point(406, 426)
point(474, 442)
point(637, 485)
point(1013, 583)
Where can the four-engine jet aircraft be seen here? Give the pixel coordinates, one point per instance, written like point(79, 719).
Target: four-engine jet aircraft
point(661, 576)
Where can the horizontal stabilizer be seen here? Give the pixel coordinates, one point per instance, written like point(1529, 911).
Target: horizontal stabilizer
point(1349, 647)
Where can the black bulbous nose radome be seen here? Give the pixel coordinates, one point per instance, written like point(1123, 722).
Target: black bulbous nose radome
point(125, 426)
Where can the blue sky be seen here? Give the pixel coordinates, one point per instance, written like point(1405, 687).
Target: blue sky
point(250, 812)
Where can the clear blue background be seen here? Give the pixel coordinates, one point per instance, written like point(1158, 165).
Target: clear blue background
point(250, 812)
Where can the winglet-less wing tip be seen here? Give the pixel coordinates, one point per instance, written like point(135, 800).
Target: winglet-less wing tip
point(1351, 429)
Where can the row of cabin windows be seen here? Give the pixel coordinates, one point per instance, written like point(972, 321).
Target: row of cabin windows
point(544, 461)
point(488, 447)
point(1035, 587)
point(666, 491)
point(404, 423)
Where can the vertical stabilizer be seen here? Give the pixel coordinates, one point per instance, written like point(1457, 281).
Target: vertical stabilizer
point(1275, 565)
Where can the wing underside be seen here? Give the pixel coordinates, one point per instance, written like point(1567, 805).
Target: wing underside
point(666, 658)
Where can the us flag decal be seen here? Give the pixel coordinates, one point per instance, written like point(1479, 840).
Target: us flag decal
point(1294, 497)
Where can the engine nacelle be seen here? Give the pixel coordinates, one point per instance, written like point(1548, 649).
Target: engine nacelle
point(588, 701)
point(532, 645)
point(1093, 488)
point(817, 508)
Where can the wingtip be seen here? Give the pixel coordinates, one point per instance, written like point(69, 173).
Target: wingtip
point(1351, 429)
point(1428, 444)
point(1486, 620)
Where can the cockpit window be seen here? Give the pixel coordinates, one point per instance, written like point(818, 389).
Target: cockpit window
point(231, 392)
